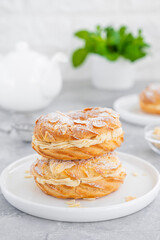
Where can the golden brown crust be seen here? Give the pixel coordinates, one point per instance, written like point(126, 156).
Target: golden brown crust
point(92, 178)
point(87, 124)
point(75, 125)
point(149, 99)
point(82, 191)
point(150, 108)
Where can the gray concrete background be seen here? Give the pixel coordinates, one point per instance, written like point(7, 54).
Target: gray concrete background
point(16, 225)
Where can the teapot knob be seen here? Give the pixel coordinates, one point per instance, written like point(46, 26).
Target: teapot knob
point(21, 46)
point(59, 57)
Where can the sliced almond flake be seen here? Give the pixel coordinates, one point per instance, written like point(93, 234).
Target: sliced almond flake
point(60, 128)
point(99, 118)
point(103, 114)
point(65, 119)
point(63, 129)
point(53, 117)
point(108, 110)
point(78, 132)
point(98, 124)
point(87, 109)
point(39, 118)
point(27, 171)
point(53, 120)
point(85, 180)
point(58, 167)
point(60, 113)
point(83, 122)
point(48, 136)
point(129, 198)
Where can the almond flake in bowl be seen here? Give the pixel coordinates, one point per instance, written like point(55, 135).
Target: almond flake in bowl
point(152, 135)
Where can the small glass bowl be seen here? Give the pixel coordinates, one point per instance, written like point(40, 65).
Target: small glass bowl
point(152, 139)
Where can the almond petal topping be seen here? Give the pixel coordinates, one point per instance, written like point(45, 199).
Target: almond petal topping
point(98, 124)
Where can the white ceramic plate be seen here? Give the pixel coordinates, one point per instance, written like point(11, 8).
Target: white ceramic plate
point(128, 107)
point(25, 195)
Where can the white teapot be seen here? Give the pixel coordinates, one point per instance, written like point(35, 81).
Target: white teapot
point(28, 80)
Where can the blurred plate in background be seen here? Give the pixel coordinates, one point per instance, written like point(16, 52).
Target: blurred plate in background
point(129, 109)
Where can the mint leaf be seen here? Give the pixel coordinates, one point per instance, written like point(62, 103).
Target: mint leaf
point(82, 34)
point(79, 56)
point(111, 44)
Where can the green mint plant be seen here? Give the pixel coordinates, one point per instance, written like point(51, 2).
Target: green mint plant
point(110, 44)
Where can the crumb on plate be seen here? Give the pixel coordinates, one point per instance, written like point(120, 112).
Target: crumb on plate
point(144, 174)
point(135, 174)
point(89, 199)
point(73, 203)
point(28, 176)
point(129, 198)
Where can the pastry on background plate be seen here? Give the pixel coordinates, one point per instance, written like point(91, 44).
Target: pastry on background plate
point(79, 134)
point(149, 99)
point(91, 178)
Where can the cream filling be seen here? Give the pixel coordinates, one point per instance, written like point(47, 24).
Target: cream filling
point(79, 143)
point(157, 107)
point(151, 106)
point(74, 183)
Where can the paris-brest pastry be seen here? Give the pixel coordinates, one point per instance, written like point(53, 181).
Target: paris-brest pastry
point(76, 153)
point(149, 99)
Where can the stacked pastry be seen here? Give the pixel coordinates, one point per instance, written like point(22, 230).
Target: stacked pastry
point(77, 158)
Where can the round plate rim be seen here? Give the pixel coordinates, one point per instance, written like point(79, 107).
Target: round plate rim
point(136, 119)
point(130, 203)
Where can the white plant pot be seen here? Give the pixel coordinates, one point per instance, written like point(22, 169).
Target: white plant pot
point(112, 75)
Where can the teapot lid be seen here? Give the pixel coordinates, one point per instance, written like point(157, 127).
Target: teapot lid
point(22, 46)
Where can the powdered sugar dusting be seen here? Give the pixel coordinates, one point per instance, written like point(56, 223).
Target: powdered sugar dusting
point(154, 86)
point(98, 124)
point(78, 123)
point(151, 93)
point(79, 131)
point(53, 117)
point(83, 122)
